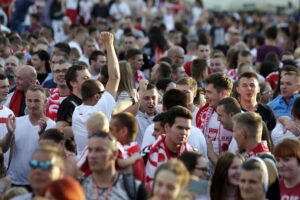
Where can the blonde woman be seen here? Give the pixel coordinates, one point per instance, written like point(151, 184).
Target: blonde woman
point(126, 83)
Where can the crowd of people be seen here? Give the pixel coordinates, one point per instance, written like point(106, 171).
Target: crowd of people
point(148, 99)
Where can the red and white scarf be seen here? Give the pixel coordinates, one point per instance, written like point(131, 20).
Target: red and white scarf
point(203, 116)
point(259, 149)
point(159, 154)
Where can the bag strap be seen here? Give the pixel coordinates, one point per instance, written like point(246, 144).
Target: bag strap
point(130, 185)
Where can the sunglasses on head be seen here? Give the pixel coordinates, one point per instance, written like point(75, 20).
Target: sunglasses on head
point(44, 165)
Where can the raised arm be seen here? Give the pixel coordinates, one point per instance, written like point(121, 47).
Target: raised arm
point(8, 138)
point(112, 62)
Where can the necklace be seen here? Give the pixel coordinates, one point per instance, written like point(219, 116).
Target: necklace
point(108, 190)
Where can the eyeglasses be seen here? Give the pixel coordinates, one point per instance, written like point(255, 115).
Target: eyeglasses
point(44, 165)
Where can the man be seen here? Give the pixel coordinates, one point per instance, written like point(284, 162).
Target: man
point(199, 71)
point(203, 53)
point(289, 89)
point(177, 72)
point(226, 109)
point(97, 60)
point(247, 128)
point(89, 45)
point(95, 97)
point(55, 138)
point(135, 59)
point(218, 62)
point(158, 121)
point(254, 180)
point(128, 42)
point(270, 46)
point(279, 133)
point(57, 56)
point(172, 98)
point(12, 63)
point(119, 9)
point(217, 87)
point(244, 58)
point(4, 111)
point(75, 76)
point(171, 145)
point(77, 42)
point(46, 165)
point(25, 142)
point(25, 77)
point(248, 89)
point(159, 71)
point(102, 155)
point(147, 110)
point(189, 86)
point(176, 54)
point(58, 94)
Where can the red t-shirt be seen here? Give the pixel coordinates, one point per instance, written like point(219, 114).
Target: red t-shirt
point(289, 193)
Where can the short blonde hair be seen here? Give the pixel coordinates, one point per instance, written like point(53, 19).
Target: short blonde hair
point(250, 122)
point(97, 122)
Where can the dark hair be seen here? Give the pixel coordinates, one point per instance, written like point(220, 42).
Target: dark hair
point(198, 66)
point(44, 56)
point(174, 97)
point(230, 104)
point(35, 16)
point(71, 74)
point(244, 53)
point(4, 41)
point(131, 53)
point(156, 38)
point(128, 120)
point(267, 68)
point(3, 76)
point(220, 81)
point(190, 159)
point(94, 55)
point(50, 29)
point(164, 69)
point(89, 88)
point(220, 178)
point(177, 111)
point(53, 134)
point(271, 32)
point(64, 47)
point(166, 59)
point(248, 75)
point(163, 83)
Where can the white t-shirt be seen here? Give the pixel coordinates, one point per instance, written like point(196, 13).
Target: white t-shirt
point(26, 142)
point(195, 112)
point(81, 114)
point(144, 120)
point(72, 4)
point(279, 134)
point(119, 10)
point(4, 113)
point(74, 44)
point(195, 139)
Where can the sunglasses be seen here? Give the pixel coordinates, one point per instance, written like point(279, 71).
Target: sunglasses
point(44, 165)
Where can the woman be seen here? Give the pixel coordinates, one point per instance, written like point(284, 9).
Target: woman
point(196, 164)
point(126, 83)
point(287, 154)
point(170, 180)
point(225, 181)
point(40, 61)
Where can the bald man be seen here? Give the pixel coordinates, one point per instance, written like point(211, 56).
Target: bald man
point(24, 78)
point(176, 54)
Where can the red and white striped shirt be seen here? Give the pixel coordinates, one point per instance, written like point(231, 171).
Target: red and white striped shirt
point(160, 154)
point(53, 103)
